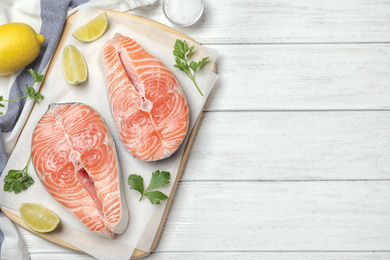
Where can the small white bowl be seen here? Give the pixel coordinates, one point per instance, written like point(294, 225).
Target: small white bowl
point(183, 12)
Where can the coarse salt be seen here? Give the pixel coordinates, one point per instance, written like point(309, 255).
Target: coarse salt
point(183, 12)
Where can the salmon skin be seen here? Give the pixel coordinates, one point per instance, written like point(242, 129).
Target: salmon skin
point(74, 157)
point(147, 103)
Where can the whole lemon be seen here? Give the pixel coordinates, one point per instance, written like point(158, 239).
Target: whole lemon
point(19, 46)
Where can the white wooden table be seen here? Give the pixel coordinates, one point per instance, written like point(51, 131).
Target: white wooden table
point(292, 156)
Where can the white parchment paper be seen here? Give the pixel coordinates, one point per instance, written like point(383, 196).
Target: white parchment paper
point(144, 217)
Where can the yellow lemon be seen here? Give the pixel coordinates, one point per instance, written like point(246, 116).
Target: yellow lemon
point(19, 46)
point(38, 217)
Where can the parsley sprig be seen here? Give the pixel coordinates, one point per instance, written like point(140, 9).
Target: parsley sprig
point(159, 179)
point(30, 91)
point(183, 55)
point(18, 180)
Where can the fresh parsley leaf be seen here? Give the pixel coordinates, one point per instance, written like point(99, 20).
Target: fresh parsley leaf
point(183, 55)
point(189, 54)
point(193, 65)
point(159, 179)
point(1, 104)
point(18, 180)
point(30, 91)
point(202, 62)
point(32, 94)
point(136, 182)
point(156, 196)
point(37, 77)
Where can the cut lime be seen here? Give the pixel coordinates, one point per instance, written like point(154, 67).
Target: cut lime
point(38, 217)
point(92, 30)
point(74, 66)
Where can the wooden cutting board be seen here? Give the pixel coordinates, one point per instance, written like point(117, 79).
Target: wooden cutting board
point(137, 252)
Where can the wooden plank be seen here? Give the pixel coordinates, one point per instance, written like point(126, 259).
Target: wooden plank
point(59, 256)
point(279, 216)
point(270, 256)
point(236, 147)
point(270, 21)
point(241, 255)
point(291, 146)
point(38, 245)
point(241, 217)
point(302, 77)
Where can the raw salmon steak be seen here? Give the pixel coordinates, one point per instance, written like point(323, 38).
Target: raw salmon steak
point(147, 103)
point(75, 159)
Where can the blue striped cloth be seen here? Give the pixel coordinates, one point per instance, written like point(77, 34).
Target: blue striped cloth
point(52, 14)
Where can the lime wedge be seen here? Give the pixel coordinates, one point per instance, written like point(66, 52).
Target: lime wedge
point(38, 217)
point(74, 66)
point(92, 30)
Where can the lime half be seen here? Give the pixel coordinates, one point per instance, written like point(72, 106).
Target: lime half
point(74, 66)
point(92, 30)
point(38, 217)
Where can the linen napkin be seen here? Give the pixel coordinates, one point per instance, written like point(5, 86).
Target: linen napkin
point(47, 17)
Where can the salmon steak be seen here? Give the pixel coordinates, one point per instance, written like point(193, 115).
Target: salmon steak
point(75, 159)
point(147, 102)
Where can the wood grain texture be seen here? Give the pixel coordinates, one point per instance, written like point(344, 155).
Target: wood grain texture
point(286, 21)
point(242, 255)
point(330, 145)
point(291, 158)
point(302, 77)
point(269, 256)
point(279, 216)
point(241, 217)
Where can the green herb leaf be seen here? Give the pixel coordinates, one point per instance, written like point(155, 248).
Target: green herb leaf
point(136, 182)
point(36, 96)
point(183, 55)
point(156, 196)
point(18, 180)
point(202, 62)
point(37, 77)
point(179, 64)
point(1, 104)
point(159, 179)
point(193, 65)
point(189, 54)
point(177, 53)
point(32, 94)
point(181, 47)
